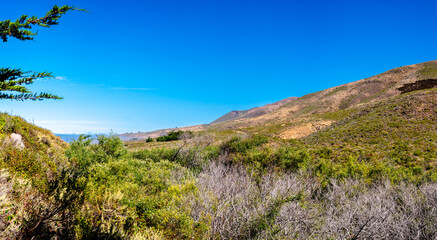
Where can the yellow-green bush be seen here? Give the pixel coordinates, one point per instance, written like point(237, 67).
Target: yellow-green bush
point(134, 195)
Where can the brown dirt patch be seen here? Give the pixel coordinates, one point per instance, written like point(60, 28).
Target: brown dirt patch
point(303, 130)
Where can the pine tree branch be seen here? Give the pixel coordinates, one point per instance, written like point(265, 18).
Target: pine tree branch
point(20, 29)
point(29, 96)
point(11, 80)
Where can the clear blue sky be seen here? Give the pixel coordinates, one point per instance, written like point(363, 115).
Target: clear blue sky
point(136, 66)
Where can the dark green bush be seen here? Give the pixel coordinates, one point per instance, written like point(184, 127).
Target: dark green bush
point(292, 159)
point(239, 145)
point(171, 136)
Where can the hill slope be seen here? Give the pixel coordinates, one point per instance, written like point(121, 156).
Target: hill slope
point(400, 130)
point(28, 154)
point(300, 115)
point(253, 112)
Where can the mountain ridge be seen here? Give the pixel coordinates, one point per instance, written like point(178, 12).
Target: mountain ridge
point(301, 112)
point(253, 112)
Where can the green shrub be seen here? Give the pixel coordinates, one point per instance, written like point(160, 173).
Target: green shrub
point(156, 154)
point(171, 136)
point(292, 159)
point(238, 145)
point(141, 186)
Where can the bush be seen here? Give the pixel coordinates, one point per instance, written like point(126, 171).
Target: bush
point(127, 193)
point(241, 208)
point(171, 136)
point(238, 145)
point(52, 214)
point(291, 206)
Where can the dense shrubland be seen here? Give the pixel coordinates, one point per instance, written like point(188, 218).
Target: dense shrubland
point(243, 188)
point(348, 181)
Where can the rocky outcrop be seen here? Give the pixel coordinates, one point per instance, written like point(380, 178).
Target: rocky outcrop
point(418, 85)
point(15, 140)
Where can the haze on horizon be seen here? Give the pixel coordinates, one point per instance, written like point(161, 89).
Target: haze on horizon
point(146, 65)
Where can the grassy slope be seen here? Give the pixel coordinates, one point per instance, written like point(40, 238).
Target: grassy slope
point(42, 152)
point(25, 173)
point(400, 132)
point(409, 118)
point(394, 138)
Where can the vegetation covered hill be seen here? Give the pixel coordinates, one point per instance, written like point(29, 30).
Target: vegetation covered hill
point(30, 160)
point(362, 164)
point(298, 115)
point(295, 118)
point(36, 144)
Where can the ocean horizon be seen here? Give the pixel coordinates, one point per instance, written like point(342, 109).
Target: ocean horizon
point(72, 137)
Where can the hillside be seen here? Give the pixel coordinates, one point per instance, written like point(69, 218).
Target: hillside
point(29, 156)
point(233, 115)
point(33, 137)
point(298, 117)
point(400, 132)
point(253, 112)
point(409, 117)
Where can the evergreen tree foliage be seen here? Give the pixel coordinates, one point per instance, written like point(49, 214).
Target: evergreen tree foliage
point(12, 80)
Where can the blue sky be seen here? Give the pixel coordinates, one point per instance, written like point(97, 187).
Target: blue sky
point(130, 66)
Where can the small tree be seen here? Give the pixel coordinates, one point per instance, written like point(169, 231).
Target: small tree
point(12, 80)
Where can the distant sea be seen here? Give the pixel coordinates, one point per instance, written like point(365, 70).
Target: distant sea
point(68, 137)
